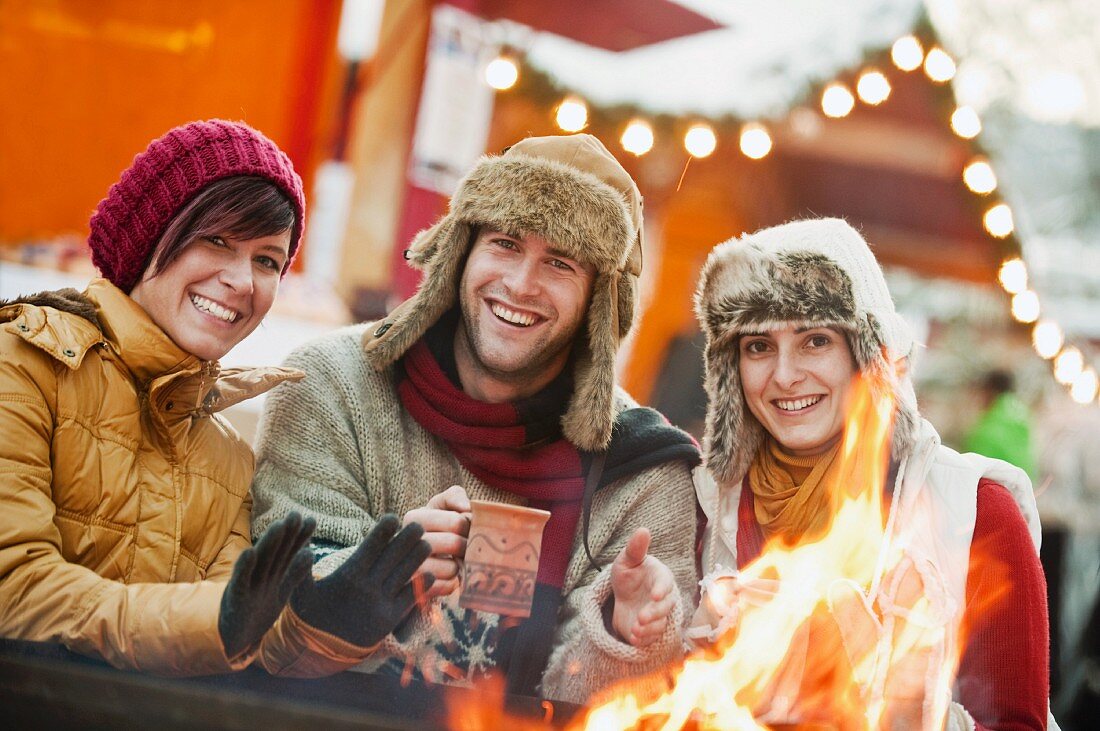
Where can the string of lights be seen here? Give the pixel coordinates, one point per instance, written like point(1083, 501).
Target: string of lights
point(837, 101)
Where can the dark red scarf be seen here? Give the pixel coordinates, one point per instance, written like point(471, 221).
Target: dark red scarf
point(494, 442)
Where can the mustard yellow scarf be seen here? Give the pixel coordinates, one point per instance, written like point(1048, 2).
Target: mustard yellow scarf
point(794, 496)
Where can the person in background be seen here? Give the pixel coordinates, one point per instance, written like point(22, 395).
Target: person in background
point(124, 533)
point(793, 315)
point(1003, 431)
point(496, 381)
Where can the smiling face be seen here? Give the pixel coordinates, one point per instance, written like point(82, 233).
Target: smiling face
point(796, 383)
point(523, 302)
point(215, 292)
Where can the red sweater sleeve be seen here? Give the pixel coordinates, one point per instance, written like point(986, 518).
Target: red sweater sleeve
point(1004, 674)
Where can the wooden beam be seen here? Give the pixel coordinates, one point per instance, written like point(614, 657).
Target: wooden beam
point(936, 256)
point(873, 141)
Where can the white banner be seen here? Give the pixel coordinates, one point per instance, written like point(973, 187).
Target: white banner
point(456, 105)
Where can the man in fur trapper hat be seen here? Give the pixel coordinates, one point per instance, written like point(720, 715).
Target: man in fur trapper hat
point(495, 381)
point(792, 314)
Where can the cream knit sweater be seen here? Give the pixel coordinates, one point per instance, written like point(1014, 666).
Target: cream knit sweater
point(339, 447)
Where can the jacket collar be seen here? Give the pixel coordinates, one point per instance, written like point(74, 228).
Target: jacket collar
point(178, 382)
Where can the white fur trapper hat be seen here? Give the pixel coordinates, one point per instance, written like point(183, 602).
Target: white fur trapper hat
point(571, 191)
point(808, 273)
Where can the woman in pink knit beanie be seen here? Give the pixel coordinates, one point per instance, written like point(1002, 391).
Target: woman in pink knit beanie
point(125, 534)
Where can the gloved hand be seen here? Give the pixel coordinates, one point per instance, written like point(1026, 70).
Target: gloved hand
point(262, 580)
point(364, 599)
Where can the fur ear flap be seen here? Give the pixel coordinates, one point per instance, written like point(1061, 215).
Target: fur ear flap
point(425, 245)
point(436, 294)
point(626, 291)
point(721, 425)
point(590, 415)
point(875, 363)
point(732, 436)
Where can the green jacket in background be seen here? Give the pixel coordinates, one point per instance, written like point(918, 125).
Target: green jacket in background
point(1004, 432)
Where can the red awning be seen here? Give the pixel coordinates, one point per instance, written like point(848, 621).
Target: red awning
point(615, 25)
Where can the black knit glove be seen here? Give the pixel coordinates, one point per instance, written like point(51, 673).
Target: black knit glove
point(364, 599)
point(263, 578)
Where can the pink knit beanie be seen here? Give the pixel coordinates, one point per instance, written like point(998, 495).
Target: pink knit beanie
point(129, 222)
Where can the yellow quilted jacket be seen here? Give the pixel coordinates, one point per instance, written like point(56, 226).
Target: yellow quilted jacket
point(124, 498)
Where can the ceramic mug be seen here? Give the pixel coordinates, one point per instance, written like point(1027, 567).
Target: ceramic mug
point(502, 558)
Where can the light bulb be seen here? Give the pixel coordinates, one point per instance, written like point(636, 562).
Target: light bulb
point(1047, 338)
point(572, 115)
point(1013, 276)
point(965, 123)
point(837, 101)
point(755, 141)
point(873, 87)
point(1084, 386)
point(979, 177)
point(939, 66)
point(501, 73)
point(907, 53)
point(637, 137)
point(1025, 306)
point(998, 221)
point(700, 141)
point(1068, 365)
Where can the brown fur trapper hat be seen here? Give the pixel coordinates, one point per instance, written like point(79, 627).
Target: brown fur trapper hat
point(571, 191)
point(810, 273)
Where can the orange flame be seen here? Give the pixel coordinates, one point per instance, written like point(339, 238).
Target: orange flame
point(484, 709)
point(808, 647)
point(791, 656)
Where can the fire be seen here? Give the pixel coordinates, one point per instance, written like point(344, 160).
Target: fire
point(484, 710)
point(805, 643)
point(836, 631)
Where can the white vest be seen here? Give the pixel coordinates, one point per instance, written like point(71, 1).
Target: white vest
point(931, 519)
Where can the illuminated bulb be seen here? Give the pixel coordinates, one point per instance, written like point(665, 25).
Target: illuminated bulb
point(907, 53)
point(1084, 387)
point(755, 141)
point(1013, 276)
point(637, 137)
point(1025, 306)
point(572, 115)
point(998, 220)
point(939, 66)
point(873, 88)
point(979, 177)
point(502, 73)
point(1068, 365)
point(700, 140)
point(965, 123)
point(1047, 339)
point(837, 101)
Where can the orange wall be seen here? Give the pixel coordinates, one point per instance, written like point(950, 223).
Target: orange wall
point(86, 85)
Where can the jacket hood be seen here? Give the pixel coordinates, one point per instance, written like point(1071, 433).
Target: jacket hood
point(63, 300)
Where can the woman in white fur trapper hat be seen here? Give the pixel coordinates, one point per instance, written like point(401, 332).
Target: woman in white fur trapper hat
point(794, 315)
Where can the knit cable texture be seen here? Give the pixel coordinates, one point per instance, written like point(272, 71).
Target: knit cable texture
point(339, 447)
